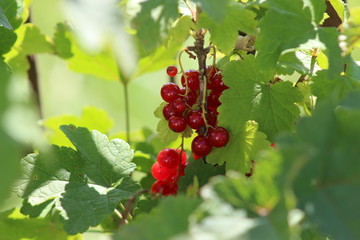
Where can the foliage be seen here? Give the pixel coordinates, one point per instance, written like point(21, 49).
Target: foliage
point(294, 84)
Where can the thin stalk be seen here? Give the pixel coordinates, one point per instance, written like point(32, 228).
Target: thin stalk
point(127, 112)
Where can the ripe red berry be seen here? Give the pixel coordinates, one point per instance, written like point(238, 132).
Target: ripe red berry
point(191, 98)
point(183, 156)
point(159, 172)
point(168, 158)
point(168, 111)
point(178, 105)
point(217, 83)
point(213, 99)
point(201, 146)
point(211, 117)
point(273, 145)
point(164, 188)
point(192, 79)
point(171, 71)
point(177, 124)
point(169, 92)
point(218, 136)
point(195, 119)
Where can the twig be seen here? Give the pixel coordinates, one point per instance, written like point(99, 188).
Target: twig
point(129, 206)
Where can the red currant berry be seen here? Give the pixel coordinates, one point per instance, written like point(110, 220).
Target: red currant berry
point(159, 172)
point(211, 117)
point(195, 119)
point(168, 111)
point(192, 79)
point(273, 145)
point(177, 124)
point(217, 83)
point(213, 99)
point(164, 188)
point(171, 71)
point(191, 98)
point(218, 136)
point(201, 146)
point(196, 157)
point(168, 158)
point(171, 189)
point(183, 156)
point(178, 105)
point(169, 92)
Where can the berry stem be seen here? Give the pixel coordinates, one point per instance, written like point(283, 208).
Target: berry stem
point(183, 72)
point(201, 54)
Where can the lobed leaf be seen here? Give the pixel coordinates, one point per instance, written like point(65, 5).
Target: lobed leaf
point(86, 184)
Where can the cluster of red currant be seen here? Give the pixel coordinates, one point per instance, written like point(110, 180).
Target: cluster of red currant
point(167, 170)
point(180, 111)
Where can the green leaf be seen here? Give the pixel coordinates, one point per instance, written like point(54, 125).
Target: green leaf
point(101, 65)
point(325, 165)
point(62, 42)
point(217, 12)
point(338, 87)
point(165, 134)
point(91, 118)
point(243, 147)
point(41, 210)
point(4, 22)
point(202, 171)
point(168, 219)
point(329, 36)
point(317, 9)
point(86, 184)
point(276, 110)
point(339, 7)
point(286, 25)
point(224, 34)
point(153, 23)
point(260, 191)
point(7, 39)
point(13, 225)
point(12, 10)
point(294, 61)
point(9, 149)
point(165, 55)
point(30, 41)
point(251, 97)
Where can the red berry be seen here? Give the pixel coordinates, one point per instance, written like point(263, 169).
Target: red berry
point(201, 146)
point(159, 172)
point(191, 98)
point(178, 105)
point(273, 145)
point(168, 111)
point(164, 188)
point(211, 71)
point(217, 83)
point(211, 117)
point(168, 158)
point(171, 71)
point(196, 157)
point(177, 124)
point(183, 156)
point(213, 99)
point(195, 119)
point(192, 79)
point(169, 92)
point(218, 136)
